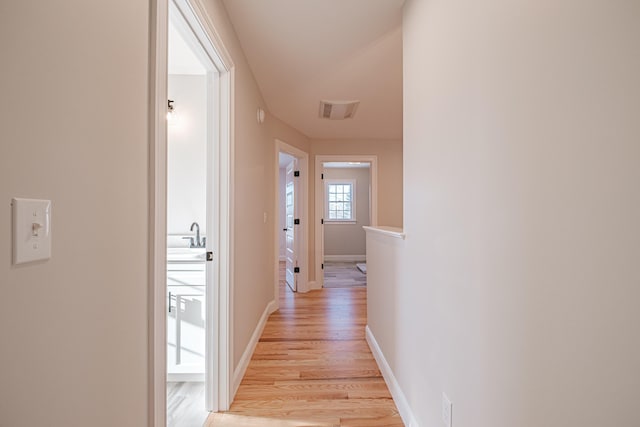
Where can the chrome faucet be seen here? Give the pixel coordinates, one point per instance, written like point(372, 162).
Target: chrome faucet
point(196, 242)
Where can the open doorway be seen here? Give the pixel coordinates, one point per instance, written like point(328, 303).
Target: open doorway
point(189, 123)
point(346, 200)
point(190, 216)
point(347, 209)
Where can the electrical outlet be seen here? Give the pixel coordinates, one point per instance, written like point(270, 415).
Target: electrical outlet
point(447, 408)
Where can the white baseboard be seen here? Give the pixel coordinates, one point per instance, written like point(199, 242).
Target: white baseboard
point(314, 285)
point(243, 364)
point(345, 258)
point(396, 392)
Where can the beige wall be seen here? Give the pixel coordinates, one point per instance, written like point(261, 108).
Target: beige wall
point(343, 238)
point(521, 209)
point(74, 120)
point(389, 154)
point(254, 190)
point(73, 329)
point(285, 133)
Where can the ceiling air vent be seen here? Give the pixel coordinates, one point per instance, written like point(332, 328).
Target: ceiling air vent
point(338, 110)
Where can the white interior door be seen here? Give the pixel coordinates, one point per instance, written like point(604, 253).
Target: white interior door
point(291, 215)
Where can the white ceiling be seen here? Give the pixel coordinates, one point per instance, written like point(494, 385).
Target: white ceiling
point(304, 51)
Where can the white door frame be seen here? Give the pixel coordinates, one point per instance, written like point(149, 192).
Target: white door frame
point(219, 344)
point(302, 202)
point(319, 227)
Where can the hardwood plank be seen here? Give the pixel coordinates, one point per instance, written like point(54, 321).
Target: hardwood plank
point(338, 384)
point(330, 372)
point(315, 346)
point(390, 421)
point(272, 392)
point(359, 360)
point(234, 420)
point(324, 410)
point(312, 366)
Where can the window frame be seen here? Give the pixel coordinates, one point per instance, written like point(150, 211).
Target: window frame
point(339, 181)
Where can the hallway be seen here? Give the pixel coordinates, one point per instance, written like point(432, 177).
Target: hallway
point(313, 365)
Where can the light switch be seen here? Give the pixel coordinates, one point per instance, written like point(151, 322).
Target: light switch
point(31, 230)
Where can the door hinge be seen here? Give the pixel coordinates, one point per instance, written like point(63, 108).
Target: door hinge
point(296, 173)
point(296, 269)
point(321, 176)
point(296, 221)
point(209, 256)
point(322, 266)
point(321, 220)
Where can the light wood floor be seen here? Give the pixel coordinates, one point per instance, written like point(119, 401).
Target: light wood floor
point(343, 274)
point(185, 404)
point(313, 367)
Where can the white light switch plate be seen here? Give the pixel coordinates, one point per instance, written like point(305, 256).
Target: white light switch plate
point(31, 230)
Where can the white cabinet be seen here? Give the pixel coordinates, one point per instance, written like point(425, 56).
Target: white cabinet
point(186, 322)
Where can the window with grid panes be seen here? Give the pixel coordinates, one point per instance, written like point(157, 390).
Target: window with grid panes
point(340, 204)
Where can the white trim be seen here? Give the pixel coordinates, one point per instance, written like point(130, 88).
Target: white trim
point(319, 208)
point(205, 29)
point(396, 232)
point(396, 392)
point(243, 364)
point(345, 258)
point(157, 335)
point(303, 209)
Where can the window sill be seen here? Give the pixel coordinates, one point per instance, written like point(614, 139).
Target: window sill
point(339, 221)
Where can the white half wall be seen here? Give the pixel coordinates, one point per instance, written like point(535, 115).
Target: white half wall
point(521, 208)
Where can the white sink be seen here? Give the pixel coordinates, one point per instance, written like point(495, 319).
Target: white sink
point(184, 255)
